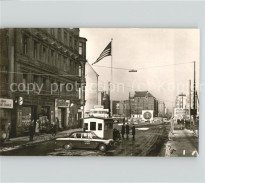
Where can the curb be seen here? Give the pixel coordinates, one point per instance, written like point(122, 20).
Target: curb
point(28, 144)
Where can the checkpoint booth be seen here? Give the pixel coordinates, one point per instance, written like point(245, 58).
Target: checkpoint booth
point(102, 127)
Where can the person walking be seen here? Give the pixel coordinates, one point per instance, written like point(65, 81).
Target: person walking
point(127, 131)
point(133, 132)
point(31, 131)
point(54, 130)
point(37, 127)
point(58, 123)
point(123, 131)
point(7, 131)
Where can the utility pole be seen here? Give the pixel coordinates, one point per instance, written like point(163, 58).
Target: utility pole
point(129, 99)
point(109, 100)
point(194, 97)
point(111, 82)
point(190, 100)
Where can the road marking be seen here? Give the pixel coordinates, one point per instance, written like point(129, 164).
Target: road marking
point(142, 128)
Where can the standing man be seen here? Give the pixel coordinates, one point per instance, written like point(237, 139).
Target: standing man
point(31, 131)
point(37, 127)
point(133, 132)
point(54, 130)
point(127, 131)
point(7, 130)
point(123, 131)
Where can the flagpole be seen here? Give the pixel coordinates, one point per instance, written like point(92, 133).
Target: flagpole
point(111, 78)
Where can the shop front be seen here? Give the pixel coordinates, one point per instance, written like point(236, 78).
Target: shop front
point(62, 112)
point(66, 114)
point(6, 107)
point(27, 111)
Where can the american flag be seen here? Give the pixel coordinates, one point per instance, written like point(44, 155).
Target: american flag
point(106, 52)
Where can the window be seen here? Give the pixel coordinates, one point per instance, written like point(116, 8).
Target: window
point(59, 88)
point(44, 82)
point(25, 45)
point(52, 58)
point(75, 43)
point(24, 81)
point(99, 126)
point(59, 34)
point(58, 61)
point(92, 125)
point(64, 64)
point(73, 135)
point(35, 79)
point(86, 126)
point(92, 136)
point(85, 135)
point(80, 48)
point(52, 84)
point(70, 41)
point(52, 31)
point(65, 37)
point(44, 54)
point(35, 50)
point(78, 135)
point(80, 70)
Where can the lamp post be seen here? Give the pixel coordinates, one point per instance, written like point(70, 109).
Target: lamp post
point(194, 97)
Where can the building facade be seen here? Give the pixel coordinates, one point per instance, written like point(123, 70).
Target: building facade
point(182, 101)
point(143, 100)
point(161, 109)
point(43, 73)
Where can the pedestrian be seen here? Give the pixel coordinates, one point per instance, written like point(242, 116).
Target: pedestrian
point(58, 122)
point(37, 127)
point(54, 130)
point(133, 131)
point(31, 131)
point(123, 131)
point(127, 131)
point(114, 134)
point(7, 131)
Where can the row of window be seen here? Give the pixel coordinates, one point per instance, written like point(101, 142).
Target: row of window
point(49, 56)
point(94, 126)
point(67, 38)
point(48, 85)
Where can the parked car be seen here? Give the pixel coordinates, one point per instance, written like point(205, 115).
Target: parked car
point(84, 139)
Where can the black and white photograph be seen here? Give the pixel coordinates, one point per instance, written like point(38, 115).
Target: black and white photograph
point(100, 92)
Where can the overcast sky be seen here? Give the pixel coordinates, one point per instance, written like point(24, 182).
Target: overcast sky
point(162, 57)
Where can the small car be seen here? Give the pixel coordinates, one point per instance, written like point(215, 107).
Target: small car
point(84, 139)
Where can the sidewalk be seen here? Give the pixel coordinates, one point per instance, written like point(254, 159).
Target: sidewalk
point(20, 142)
point(181, 143)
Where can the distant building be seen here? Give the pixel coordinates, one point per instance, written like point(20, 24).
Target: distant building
point(103, 99)
point(143, 100)
point(118, 108)
point(161, 109)
point(182, 101)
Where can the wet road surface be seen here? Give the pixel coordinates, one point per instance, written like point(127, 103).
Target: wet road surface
point(149, 141)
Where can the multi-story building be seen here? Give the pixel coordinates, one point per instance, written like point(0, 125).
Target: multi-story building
point(161, 109)
point(43, 74)
point(182, 101)
point(143, 100)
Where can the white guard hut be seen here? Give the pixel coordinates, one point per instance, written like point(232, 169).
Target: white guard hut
point(103, 127)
